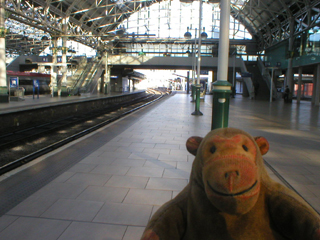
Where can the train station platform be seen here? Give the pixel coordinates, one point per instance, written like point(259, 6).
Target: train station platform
point(106, 185)
point(33, 102)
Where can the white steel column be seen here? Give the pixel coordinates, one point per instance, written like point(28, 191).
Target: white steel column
point(54, 74)
point(64, 61)
point(107, 75)
point(223, 51)
point(3, 69)
point(199, 42)
point(64, 67)
point(194, 59)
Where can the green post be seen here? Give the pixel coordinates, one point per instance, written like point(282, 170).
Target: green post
point(197, 108)
point(220, 106)
point(193, 93)
point(222, 88)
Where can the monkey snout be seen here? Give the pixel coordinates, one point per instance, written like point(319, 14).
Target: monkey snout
point(233, 174)
point(232, 179)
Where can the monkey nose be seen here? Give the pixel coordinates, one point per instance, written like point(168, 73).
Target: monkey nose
point(232, 174)
point(231, 179)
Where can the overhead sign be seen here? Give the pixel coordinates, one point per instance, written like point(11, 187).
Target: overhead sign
point(204, 72)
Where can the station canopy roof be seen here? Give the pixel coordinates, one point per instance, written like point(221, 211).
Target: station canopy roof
point(91, 21)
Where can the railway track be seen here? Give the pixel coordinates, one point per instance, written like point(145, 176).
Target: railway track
point(24, 146)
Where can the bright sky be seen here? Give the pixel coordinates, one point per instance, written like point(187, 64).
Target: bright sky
point(172, 18)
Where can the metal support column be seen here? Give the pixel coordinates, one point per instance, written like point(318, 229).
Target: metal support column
point(234, 75)
point(289, 74)
point(4, 89)
point(194, 67)
point(221, 87)
point(64, 68)
point(54, 72)
point(107, 75)
point(299, 85)
point(188, 82)
point(129, 80)
point(198, 86)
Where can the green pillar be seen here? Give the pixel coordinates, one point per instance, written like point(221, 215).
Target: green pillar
point(197, 107)
point(222, 88)
point(193, 93)
point(220, 107)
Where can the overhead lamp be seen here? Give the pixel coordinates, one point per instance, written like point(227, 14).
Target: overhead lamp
point(204, 35)
point(187, 35)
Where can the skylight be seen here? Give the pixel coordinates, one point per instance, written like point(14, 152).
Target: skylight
point(173, 18)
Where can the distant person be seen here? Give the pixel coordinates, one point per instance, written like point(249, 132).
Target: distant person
point(286, 94)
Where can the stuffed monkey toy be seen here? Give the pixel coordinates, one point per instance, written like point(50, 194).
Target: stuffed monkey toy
point(230, 196)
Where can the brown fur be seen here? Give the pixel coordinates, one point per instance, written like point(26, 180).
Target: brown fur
point(222, 203)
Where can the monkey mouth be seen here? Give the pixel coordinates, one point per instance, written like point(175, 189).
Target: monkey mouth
point(232, 194)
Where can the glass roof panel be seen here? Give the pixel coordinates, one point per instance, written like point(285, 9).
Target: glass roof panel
point(174, 18)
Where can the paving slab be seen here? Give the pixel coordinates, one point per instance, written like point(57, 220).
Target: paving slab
point(115, 185)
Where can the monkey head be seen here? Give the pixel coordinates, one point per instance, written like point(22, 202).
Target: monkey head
point(229, 166)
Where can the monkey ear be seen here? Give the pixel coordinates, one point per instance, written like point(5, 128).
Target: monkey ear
point(263, 144)
point(193, 144)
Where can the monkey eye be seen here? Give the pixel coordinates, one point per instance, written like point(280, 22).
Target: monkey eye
point(213, 149)
point(245, 148)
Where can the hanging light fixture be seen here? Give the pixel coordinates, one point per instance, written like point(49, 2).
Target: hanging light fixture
point(187, 35)
point(204, 35)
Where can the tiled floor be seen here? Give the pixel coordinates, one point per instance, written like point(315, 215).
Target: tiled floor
point(121, 174)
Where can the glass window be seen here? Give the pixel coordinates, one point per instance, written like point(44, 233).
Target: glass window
point(172, 18)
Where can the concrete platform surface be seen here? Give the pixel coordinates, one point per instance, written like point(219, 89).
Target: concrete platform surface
point(32, 102)
point(108, 184)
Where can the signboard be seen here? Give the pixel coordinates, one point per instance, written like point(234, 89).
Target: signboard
point(14, 82)
point(204, 72)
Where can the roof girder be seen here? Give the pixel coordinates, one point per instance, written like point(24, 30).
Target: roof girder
point(268, 20)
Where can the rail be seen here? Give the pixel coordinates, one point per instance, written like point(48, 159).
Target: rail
point(56, 137)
